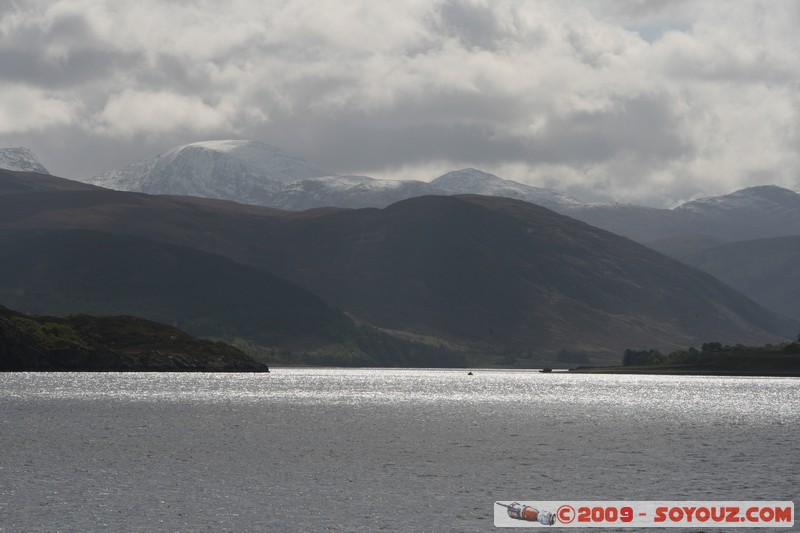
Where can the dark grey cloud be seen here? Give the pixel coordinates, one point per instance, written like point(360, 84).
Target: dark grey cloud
point(358, 143)
point(64, 53)
point(173, 73)
point(463, 128)
point(642, 10)
point(644, 127)
point(474, 25)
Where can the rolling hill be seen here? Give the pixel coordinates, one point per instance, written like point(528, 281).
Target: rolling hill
point(66, 272)
point(494, 271)
point(478, 273)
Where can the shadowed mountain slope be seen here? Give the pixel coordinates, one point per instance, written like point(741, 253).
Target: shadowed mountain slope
point(679, 246)
point(496, 271)
point(487, 273)
point(753, 213)
point(766, 270)
point(81, 271)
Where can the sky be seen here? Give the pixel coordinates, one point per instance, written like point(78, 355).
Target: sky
point(650, 102)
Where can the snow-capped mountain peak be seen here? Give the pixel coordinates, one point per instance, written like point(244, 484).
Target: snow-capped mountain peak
point(467, 178)
point(242, 171)
point(762, 197)
point(21, 159)
point(255, 173)
point(263, 158)
point(474, 181)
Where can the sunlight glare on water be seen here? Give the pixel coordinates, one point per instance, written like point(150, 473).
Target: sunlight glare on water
point(373, 449)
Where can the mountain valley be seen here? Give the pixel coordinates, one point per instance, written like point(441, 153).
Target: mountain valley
point(469, 274)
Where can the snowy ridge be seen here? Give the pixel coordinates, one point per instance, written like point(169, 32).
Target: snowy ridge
point(252, 172)
point(760, 198)
point(242, 171)
point(752, 213)
point(473, 181)
point(255, 173)
point(21, 159)
point(348, 191)
point(362, 191)
point(265, 159)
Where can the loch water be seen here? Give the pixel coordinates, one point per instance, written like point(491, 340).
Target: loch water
point(377, 449)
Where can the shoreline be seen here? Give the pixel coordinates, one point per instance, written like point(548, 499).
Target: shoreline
point(674, 371)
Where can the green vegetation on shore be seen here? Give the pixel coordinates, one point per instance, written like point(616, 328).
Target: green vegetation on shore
point(89, 343)
point(712, 358)
point(123, 343)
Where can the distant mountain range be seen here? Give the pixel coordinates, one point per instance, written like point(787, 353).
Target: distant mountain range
point(255, 173)
point(475, 274)
point(691, 228)
point(752, 213)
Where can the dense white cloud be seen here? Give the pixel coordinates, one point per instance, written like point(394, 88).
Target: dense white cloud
point(24, 110)
point(131, 112)
point(648, 101)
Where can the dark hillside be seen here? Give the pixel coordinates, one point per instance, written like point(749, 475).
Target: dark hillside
point(496, 271)
point(79, 271)
point(483, 273)
point(87, 343)
point(766, 270)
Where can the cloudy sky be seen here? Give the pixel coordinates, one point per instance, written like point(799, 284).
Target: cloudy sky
point(645, 101)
